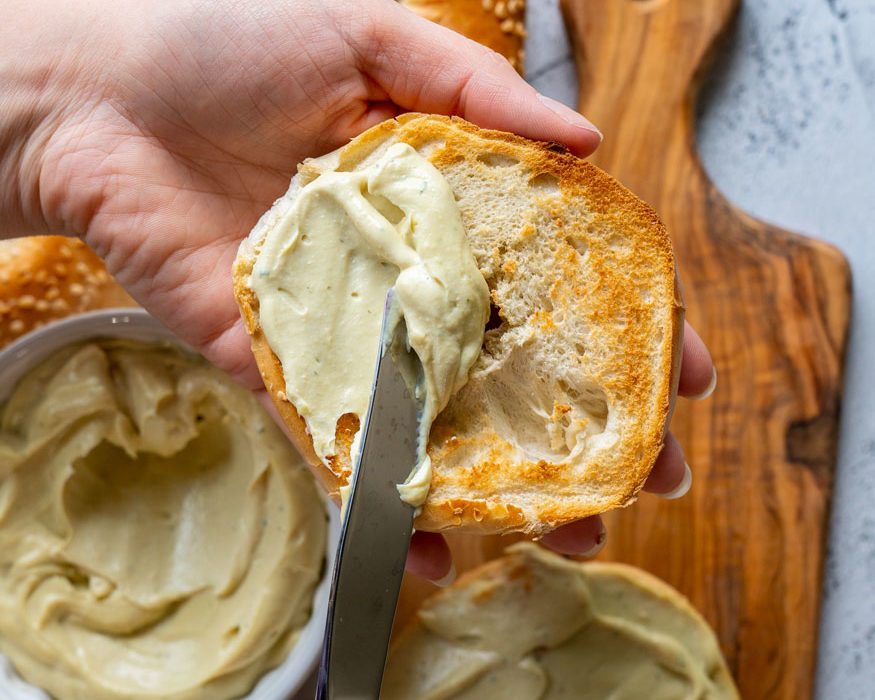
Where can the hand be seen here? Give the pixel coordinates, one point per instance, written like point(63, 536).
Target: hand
point(159, 132)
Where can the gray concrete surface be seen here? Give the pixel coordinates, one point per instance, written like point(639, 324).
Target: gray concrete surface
point(786, 130)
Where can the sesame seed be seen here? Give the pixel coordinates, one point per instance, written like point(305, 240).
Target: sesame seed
point(500, 9)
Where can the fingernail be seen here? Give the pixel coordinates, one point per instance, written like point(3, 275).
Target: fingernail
point(599, 545)
point(568, 115)
point(682, 488)
point(709, 389)
point(448, 578)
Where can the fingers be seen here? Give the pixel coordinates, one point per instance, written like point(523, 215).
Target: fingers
point(585, 537)
point(670, 477)
point(424, 67)
point(698, 376)
point(429, 557)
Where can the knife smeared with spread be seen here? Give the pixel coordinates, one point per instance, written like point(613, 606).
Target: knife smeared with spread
point(321, 279)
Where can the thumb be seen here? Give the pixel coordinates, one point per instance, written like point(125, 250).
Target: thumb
point(424, 67)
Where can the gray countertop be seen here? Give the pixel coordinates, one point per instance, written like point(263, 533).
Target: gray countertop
point(786, 130)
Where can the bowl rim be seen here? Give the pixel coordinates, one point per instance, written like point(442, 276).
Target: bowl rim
point(28, 351)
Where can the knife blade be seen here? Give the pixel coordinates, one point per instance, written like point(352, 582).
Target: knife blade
point(377, 526)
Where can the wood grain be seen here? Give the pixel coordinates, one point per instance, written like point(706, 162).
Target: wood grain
point(747, 544)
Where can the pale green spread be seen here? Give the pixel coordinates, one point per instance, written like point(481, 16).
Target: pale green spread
point(321, 279)
point(544, 628)
point(159, 537)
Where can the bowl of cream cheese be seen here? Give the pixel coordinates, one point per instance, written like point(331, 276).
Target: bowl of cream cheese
point(159, 535)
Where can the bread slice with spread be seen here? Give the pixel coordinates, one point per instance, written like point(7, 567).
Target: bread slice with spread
point(533, 624)
point(565, 408)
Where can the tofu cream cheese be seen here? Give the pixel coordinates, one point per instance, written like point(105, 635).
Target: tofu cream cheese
point(536, 626)
point(321, 278)
point(159, 537)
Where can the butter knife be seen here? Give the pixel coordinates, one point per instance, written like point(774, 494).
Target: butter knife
point(377, 526)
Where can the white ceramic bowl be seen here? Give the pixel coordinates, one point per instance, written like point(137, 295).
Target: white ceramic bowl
point(296, 672)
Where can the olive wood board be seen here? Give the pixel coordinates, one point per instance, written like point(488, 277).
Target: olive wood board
point(747, 544)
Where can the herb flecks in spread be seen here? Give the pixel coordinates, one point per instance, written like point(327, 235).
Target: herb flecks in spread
point(321, 279)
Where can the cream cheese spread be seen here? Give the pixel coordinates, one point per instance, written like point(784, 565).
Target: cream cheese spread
point(543, 628)
point(159, 537)
point(321, 278)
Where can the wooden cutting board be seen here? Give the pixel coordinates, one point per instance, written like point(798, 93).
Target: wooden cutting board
point(747, 544)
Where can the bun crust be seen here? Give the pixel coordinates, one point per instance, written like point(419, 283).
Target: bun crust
point(509, 612)
point(46, 278)
point(565, 409)
point(497, 24)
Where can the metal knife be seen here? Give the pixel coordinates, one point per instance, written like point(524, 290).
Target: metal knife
point(377, 526)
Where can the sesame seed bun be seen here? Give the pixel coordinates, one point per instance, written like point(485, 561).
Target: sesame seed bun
point(46, 278)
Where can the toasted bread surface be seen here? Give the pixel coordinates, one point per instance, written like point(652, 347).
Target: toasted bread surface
point(565, 409)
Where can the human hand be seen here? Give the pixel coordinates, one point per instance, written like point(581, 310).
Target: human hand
point(159, 132)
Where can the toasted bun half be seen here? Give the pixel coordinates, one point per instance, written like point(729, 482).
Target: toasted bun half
point(498, 24)
point(548, 627)
point(565, 409)
point(45, 278)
